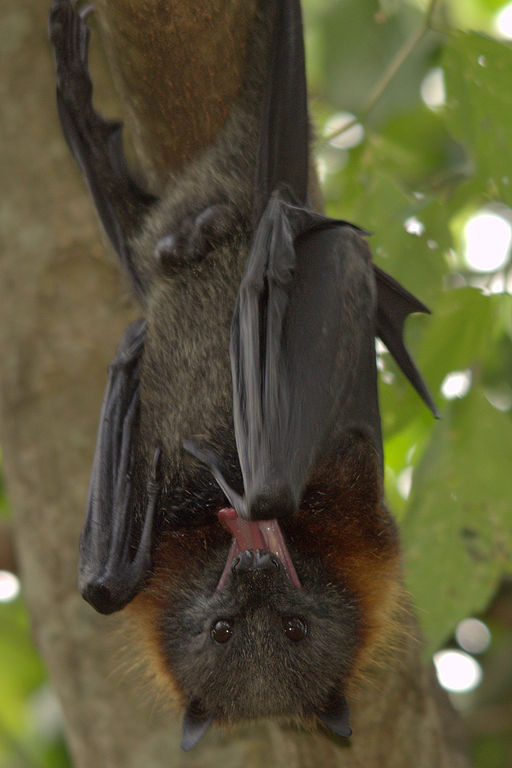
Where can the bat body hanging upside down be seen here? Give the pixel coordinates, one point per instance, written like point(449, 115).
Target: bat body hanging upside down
point(236, 502)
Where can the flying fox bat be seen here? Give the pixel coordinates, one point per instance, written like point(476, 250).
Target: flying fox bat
point(235, 502)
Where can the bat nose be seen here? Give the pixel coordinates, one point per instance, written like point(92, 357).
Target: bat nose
point(255, 560)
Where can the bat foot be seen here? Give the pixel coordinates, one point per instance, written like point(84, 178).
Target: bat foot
point(69, 35)
point(86, 11)
point(96, 143)
point(198, 235)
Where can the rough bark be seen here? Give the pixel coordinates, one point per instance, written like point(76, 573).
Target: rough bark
point(63, 305)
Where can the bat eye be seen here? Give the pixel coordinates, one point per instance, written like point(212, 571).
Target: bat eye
point(222, 631)
point(295, 629)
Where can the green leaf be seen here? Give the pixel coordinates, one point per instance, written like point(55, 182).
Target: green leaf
point(479, 107)
point(457, 532)
point(474, 14)
point(20, 667)
point(416, 148)
point(461, 334)
point(360, 42)
point(375, 201)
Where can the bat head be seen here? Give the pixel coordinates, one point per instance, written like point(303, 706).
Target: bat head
point(272, 619)
point(259, 643)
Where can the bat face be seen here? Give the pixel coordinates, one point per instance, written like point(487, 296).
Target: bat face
point(240, 638)
point(259, 646)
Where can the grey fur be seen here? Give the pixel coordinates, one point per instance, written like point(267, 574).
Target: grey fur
point(186, 379)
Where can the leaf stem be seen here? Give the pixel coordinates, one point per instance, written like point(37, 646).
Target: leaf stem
point(395, 65)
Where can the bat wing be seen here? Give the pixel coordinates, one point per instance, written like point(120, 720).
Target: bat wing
point(114, 550)
point(308, 308)
point(302, 351)
point(95, 143)
point(302, 340)
point(395, 303)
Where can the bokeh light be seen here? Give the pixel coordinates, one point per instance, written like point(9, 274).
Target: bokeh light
point(487, 240)
point(503, 21)
point(473, 635)
point(456, 384)
point(348, 138)
point(404, 482)
point(457, 671)
point(433, 91)
point(9, 587)
point(414, 226)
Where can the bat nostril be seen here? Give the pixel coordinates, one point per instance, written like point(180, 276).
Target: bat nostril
point(255, 560)
point(265, 561)
point(243, 562)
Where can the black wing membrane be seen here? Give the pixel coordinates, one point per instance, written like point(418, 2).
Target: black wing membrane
point(295, 363)
point(395, 303)
point(309, 306)
point(114, 561)
point(96, 143)
point(115, 545)
point(283, 155)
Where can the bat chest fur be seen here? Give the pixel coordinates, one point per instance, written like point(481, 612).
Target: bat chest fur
point(185, 374)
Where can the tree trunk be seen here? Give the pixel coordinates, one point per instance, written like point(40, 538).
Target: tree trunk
point(63, 306)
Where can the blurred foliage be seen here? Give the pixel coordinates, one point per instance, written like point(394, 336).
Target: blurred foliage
point(31, 734)
point(436, 166)
point(30, 723)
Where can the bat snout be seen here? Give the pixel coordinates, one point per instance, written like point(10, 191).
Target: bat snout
point(255, 560)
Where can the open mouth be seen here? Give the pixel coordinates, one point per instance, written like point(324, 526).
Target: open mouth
point(254, 535)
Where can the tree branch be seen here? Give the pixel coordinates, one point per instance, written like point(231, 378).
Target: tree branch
point(389, 74)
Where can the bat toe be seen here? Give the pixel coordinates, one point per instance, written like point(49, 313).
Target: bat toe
point(198, 235)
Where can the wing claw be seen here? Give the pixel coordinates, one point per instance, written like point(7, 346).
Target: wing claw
point(110, 573)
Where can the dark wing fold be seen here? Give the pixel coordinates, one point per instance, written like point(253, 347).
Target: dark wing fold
point(114, 558)
point(308, 308)
point(283, 157)
point(261, 392)
point(395, 304)
point(302, 323)
point(96, 143)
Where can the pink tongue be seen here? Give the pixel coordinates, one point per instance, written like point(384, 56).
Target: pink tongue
point(253, 535)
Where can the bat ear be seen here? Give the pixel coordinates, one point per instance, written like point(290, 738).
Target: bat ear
point(195, 725)
point(336, 717)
